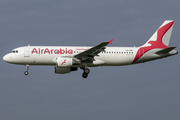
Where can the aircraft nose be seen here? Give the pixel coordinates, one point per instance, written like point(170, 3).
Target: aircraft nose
point(5, 58)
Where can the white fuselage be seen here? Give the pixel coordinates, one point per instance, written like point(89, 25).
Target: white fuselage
point(47, 55)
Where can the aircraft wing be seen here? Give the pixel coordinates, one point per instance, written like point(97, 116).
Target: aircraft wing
point(94, 51)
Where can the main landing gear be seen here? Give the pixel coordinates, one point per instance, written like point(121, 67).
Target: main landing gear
point(26, 72)
point(85, 73)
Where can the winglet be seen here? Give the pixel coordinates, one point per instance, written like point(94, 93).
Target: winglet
point(110, 41)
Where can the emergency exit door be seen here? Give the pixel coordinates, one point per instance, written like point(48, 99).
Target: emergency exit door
point(26, 51)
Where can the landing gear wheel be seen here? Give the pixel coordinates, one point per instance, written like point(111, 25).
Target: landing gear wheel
point(84, 75)
point(26, 72)
point(86, 70)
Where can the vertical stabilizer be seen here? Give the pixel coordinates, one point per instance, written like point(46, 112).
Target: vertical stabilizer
point(161, 38)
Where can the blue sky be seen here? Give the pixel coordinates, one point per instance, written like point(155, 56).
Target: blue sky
point(143, 91)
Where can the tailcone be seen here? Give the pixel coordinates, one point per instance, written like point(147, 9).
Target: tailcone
point(173, 52)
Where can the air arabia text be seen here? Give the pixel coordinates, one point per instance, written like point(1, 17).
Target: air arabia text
point(51, 51)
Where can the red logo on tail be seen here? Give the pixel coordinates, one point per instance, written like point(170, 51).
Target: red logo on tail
point(154, 44)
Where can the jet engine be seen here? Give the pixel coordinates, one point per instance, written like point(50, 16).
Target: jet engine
point(64, 70)
point(67, 62)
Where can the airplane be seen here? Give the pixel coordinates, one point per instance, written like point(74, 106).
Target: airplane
point(66, 59)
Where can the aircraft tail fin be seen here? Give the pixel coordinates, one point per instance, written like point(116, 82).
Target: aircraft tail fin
point(161, 38)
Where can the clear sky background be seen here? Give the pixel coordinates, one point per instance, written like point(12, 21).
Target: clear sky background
point(147, 91)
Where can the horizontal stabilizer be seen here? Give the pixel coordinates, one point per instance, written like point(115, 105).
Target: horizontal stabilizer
point(167, 50)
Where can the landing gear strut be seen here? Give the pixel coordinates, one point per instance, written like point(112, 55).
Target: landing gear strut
point(26, 72)
point(85, 73)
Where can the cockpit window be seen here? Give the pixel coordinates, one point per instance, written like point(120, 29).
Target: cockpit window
point(14, 51)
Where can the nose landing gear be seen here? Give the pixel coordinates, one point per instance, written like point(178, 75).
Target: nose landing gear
point(26, 72)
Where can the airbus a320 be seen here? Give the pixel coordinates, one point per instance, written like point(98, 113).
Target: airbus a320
point(66, 59)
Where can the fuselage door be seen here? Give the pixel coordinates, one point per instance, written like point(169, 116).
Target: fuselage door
point(26, 51)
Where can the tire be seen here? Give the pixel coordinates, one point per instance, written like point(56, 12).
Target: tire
point(86, 70)
point(26, 72)
point(84, 75)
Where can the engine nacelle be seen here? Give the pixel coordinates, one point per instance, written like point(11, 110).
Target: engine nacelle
point(64, 70)
point(67, 62)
